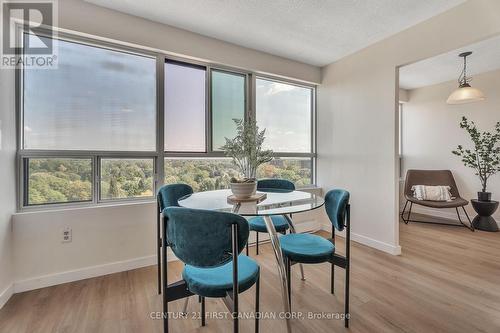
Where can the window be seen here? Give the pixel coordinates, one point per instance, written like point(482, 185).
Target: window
point(228, 103)
point(58, 180)
point(126, 178)
point(111, 124)
point(202, 174)
point(297, 170)
point(285, 111)
point(184, 107)
point(97, 99)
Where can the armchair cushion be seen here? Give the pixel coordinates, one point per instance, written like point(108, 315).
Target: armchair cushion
point(457, 202)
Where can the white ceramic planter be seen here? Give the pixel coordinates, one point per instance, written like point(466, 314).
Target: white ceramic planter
point(243, 190)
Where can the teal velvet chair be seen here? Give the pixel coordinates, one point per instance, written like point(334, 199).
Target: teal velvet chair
point(168, 196)
point(209, 244)
point(312, 249)
point(280, 222)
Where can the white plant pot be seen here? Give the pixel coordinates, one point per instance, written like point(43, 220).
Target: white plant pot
point(243, 190)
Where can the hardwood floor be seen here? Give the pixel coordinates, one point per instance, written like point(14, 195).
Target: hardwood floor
point(447, 280)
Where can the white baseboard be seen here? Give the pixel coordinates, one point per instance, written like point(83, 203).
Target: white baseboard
point(384, 247)
point(6, 294)
point(115, 267)
point(85, 273)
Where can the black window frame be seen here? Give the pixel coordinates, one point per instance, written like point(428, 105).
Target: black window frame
point(159, 154)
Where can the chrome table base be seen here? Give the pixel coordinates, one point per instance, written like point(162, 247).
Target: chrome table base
point(281, 268)
point(281, 264)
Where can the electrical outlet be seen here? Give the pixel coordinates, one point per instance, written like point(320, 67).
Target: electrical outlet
point(67, 235)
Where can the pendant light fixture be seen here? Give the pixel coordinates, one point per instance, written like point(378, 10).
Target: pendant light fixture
point(465, 93)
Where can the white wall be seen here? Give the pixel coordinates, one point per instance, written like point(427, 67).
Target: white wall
point(105, 240)
point(431, 131)
point(7, 180)
point(84, 17)
point(357, 120)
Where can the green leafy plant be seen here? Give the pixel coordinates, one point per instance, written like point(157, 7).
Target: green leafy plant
point(245, 148)
point(485, 156)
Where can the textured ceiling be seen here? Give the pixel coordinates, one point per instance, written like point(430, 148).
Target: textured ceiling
point(316, 32)
point(447, 66)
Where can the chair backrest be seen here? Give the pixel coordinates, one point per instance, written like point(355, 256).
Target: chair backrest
point(336, 202)
point(203, 238)
point(275, 185)
point(430, 177)
point(169, 195)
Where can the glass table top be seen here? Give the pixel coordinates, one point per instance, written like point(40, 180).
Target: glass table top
point(276, 203)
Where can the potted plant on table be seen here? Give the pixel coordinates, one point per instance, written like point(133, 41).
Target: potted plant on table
point(484, 158)
point(247, 154)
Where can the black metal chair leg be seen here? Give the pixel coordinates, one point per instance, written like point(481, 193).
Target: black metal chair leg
point(158, 245)
point(257, 300)
point(346, 296)
point(468, 218)
point(332, 279)
point(235, 315)
point(470, 227)
point(235, 291)
point(165, 314)
point(348, 265)
point(164, 284)
point(159, 268)
point(288, 264)
point(257, 243)
point(159, 271)
point(403, 212)
point(247, 249)
point(409, 213)
point(202, 314)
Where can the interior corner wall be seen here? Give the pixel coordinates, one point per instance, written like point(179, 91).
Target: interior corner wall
point(7, 181)
point(357, 115)
point(430, 131)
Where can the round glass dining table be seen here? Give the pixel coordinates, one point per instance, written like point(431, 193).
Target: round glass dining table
point(283, 203)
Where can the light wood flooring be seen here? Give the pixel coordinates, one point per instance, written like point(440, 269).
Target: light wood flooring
point(447, 280)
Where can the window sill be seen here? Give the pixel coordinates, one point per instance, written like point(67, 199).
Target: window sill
point(63, 207)
point(104, 205)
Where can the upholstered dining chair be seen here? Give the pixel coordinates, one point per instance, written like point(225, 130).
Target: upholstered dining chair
point(168, 196)
point(313, 249)
point(280, 222)
point(209, 244)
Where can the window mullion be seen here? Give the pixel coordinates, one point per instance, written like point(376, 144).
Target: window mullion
point(208, 110)
point(96, 165)
point(160, 123)
point(251, 96)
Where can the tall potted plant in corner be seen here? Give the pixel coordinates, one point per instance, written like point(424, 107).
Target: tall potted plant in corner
point(247, 154)
point(484, 158)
